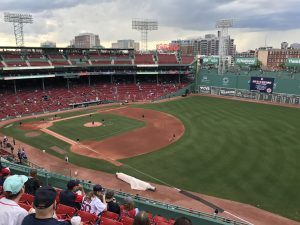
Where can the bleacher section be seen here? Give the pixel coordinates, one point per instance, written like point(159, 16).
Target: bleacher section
point(58, 59)
point(78, 59)
point(187, 59)
point(13, 59)
point(28, 102)
point(99, 59)
point(143, 59)
point(167, 59)
point(37, 59)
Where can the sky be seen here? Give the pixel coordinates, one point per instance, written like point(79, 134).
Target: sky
point(256, 22)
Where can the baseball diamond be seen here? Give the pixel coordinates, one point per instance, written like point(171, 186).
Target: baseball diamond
point(237, 139)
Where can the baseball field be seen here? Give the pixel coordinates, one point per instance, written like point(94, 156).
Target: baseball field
point(235, 150)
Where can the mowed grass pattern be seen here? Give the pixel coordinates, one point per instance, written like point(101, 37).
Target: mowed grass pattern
point(235, 150)
point(241, 151)
point(112, 125)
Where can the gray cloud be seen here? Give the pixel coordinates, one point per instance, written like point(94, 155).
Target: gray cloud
point(111, 19)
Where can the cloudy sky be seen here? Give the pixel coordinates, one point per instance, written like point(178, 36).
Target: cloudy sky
point(256, 22)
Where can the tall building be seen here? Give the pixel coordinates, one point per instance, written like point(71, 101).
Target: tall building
point(86, 40)
point(48, 44)
point(209, 45)
point(275, 58)
point(186, 46)
point(126, 44)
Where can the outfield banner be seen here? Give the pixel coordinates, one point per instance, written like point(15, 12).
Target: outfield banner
point(204, 89)
point(210, 61)
point(227, 91)
point(246, 61)
point(262, 84)
point(294, 62)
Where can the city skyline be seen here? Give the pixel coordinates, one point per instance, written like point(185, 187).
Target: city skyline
point(256, 22)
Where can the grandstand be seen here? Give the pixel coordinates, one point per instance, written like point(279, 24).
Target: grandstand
point(35, 80)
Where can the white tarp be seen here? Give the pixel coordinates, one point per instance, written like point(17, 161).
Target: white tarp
point(135, 183)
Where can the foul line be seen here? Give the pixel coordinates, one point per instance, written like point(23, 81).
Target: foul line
point(238, 217)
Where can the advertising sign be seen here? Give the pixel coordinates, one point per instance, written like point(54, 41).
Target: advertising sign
point(262, 84)
point(246, 61)
point(210, 61)
point(293, 62)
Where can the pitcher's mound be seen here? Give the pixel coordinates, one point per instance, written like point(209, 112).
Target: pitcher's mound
point(90, 124)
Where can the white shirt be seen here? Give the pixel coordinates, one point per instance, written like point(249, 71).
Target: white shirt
point(11, 213)
point(97, 206)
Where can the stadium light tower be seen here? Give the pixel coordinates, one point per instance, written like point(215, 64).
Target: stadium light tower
point(144, 25)
point(18, 21)
point(223, 25)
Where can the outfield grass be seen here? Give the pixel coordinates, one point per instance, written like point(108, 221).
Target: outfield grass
point(111, 126)
point(236, 150)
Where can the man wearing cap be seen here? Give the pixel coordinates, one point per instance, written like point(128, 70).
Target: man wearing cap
point(5, 172)
point(10, 212)
point(44, 205)
point(70, 197)
point(95, 201)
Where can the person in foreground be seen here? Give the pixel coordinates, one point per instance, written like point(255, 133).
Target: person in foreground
point(141, 218)
point(10, 212)
point(183, 221)
point(44, 205)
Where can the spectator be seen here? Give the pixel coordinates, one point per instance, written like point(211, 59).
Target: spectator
point(33, 182)
point(183, 221)
point(10, 212)
point(112, 204)
point(69, 197)
point(141, 218)
point(95, 201)
point(5, 172)
point(128, 209)
point(20, 155)
point(23, 155)
point(1, 163)
point(44, 205)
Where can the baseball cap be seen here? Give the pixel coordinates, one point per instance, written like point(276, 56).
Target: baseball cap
point(5, 171)
point(44, 197)
point(98, 187)
point(14, 183)
point(72, 183)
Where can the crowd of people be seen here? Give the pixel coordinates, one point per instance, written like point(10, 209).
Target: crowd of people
point(10, 145)
point(42, 211)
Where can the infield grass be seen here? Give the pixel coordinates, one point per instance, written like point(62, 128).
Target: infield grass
point(112, 125)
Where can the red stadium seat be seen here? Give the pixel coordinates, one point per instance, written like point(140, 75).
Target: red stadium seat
point(64, 211)
point(27, 199)
point(106, 221)
point(159, 218)
point(127, 220)
point(87, 218)
point(110, 215)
